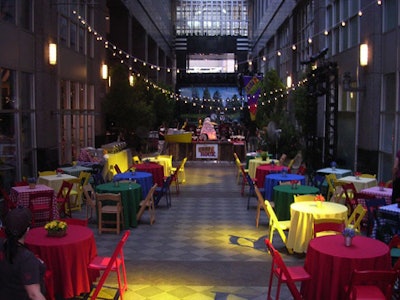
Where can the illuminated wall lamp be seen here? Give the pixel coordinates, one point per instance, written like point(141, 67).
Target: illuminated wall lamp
point(104, 71)
point(363, 55)
point(52, 53)
point(289, 81)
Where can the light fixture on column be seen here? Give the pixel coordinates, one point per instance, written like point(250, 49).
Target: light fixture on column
point(104, 71)
point(289, 81)
point(363, 55)
point(52, 53)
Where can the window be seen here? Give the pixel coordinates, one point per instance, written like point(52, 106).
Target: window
point(390, 14)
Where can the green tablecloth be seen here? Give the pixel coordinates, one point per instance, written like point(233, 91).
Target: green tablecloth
point(131, 198)
point(283, 197)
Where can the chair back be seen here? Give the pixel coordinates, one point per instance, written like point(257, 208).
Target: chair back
point(9, 205)
point(64, 190)
point(260, 204)
point(350, 192)
point(21, 183)
point(328, 226)
point(63, 198)
point(302, 198)
point(366, 175)
point(318, 181)
point(74, 221)
point(164, 191)
point(117, 169)
point(47, 173)
point(302, 170)
point(372, 282)
point(372, 208)
point(41, 206)
point(148, 203)
point(278, 266)
point(111, 198)
point(117, 254)
point(90, 197)
point(356, 217)
point(98, 179)
point(330, 180)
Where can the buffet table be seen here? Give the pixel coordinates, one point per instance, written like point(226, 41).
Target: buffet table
point(330, 264)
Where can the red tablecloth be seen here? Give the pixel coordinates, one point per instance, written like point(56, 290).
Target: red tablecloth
point(67, 257)
point(155, 169)
point(331, 263)
point(264, 170)
point(20, 196)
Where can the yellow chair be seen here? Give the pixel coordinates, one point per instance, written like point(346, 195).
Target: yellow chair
point(302, 198)
point(260, 205)
point(275, 224)
point(238, 164)
point(366, 175)
point(47, 173)
point(77, 190)
point(136, 160)
point(356, 217)
point(330, 180)
point(181, 176)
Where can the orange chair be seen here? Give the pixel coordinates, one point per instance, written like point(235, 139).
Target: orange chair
point(288, 275)
point(41, 206)
point(63, 202)
point(115, 263)
point(329, 226)
point(371, 284)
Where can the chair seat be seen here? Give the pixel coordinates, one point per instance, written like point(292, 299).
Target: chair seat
point(366, 292)
point(298, 273)
point(285, 224)
point(101, 262)
point(110, 209)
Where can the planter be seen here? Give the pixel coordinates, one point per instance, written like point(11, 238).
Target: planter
point(60, 233)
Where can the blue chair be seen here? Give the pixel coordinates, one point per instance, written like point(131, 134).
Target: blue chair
point(252, 193)
point(372, 208)
point(163, 191)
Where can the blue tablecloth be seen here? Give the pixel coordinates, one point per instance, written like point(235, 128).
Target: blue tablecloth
point(145, 180)
point(272, 180)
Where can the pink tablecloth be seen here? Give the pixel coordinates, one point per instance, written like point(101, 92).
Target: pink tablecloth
point(264, 170)
point(330, 264)
point(20, 196)
point(376, 192)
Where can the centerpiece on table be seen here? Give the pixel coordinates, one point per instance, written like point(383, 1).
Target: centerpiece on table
point(32, 182)
point(56, 228)
point(357, 174)
point(381, 186)
point(264, 155)
point(284, 171)
point(319, 199)
point(59, 172)
point(294, 184)
point(349, 233)
point(333, 165)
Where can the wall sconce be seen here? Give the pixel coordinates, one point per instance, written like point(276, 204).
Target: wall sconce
point(52, 53)
point(289, 81)
point(348, 84)
point(104, 71)
point(132, 80)
point(363, 55)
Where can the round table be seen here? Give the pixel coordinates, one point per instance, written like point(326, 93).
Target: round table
point(131, 194)
point(163, 160)
point(302, 221)
point(145, 180)
point(155, 169)
point(283, 198)
point(264, 170)
point(67, 257)
point(330, 264)
point(272, 180)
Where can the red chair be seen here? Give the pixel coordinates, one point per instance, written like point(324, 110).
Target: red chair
point(371, 284)
point(330, 226)
point(8, 204)
point(41, 206)
point(115, 263)
point(288, 275)
point(74, 221)
point(21, 183)
point(117, 169)
point(63, 202)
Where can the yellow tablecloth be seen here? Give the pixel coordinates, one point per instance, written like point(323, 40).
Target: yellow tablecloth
point(255, 162)
point(302, 221)
point(165, 161)
point(361, 183)
point(54, 181)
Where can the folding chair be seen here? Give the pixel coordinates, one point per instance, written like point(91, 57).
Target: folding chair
point(288, 275)
point(63, 201)
point(115, 263)
point(372, 207)
point(328, 226)
point(148, 203)
point(356, 218)
point(275, 224)
point(90, 197)
point(163, 191)
point(252, 186)
point(260, 205)
point(41, 206)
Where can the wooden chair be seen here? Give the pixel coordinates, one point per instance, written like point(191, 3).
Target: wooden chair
point(371, 284)
point(239, 164)
point(62, 198)
point(261, 205)
point(148, 203)
point(114, 263)
point(275, 224)
point(284, 274)
point(109, 204)
point(302, 198)
point(77, 190)
point(41, 206)
point(328, 226)
point(90, 198)
point(163, 191)
point(356, 218)
point(252, 186)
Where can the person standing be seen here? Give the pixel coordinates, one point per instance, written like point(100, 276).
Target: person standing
point(21, 272)
point(396, 178)
point(162, 130)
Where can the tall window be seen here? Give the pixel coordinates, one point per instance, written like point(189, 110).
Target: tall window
point(211, 17)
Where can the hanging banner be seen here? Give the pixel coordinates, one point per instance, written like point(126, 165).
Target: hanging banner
point(252, 86)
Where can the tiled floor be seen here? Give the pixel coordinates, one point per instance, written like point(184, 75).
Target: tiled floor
point(206, 246)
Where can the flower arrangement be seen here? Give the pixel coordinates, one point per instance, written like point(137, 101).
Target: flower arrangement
point(357, 174)
point(32, 182)
point(349, 232)
point(264, 155)
point(381, 186)
point(56, 228)
point(319, 198)
point(333, 164)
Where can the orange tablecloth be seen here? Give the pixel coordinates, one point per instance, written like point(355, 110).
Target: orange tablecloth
point(20, 196)
point(330, 264)
point(155, 169)
point(67, 257)
point(264, 170)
